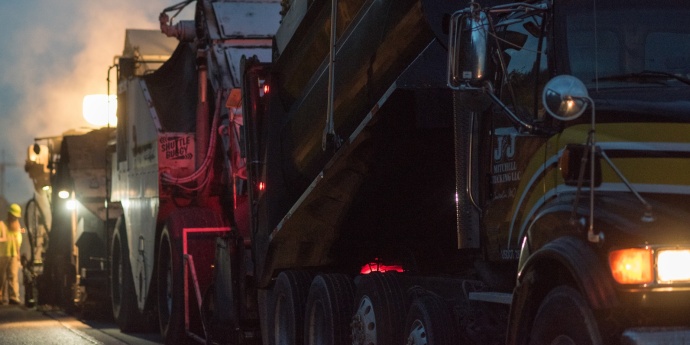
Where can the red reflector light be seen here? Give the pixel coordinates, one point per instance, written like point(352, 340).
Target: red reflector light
point(377, 266)
point(267, 89)
point(262, 186)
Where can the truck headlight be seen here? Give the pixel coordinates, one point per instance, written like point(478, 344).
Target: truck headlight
point(673, 265)
point(650, 265)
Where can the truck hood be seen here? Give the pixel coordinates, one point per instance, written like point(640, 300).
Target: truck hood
point(643, 104)
point(645, 131)
point(625, 223)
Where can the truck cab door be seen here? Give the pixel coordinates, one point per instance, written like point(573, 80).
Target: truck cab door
point(516, 168)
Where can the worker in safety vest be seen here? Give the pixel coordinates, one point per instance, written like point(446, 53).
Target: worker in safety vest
point(10, 242)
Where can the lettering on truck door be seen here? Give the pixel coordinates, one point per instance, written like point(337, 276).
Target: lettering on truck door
point(517, 168)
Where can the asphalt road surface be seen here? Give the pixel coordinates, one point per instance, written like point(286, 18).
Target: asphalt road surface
point(20, 325)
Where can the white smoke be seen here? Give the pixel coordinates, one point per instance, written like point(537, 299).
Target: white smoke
point(52, 54)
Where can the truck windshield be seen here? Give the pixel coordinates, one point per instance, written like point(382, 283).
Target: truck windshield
point(627, 41)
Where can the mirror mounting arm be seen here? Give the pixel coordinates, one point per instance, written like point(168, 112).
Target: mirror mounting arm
point(488, 90)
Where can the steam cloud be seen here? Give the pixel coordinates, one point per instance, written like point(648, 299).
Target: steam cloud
point(52, 54)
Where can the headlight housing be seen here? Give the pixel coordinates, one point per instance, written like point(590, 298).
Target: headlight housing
point(649, 265)
point(673, 265)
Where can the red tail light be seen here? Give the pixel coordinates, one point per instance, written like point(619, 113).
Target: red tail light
point(377, 266)
point(262, 186)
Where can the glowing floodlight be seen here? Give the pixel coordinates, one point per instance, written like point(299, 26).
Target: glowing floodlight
point(100, 109)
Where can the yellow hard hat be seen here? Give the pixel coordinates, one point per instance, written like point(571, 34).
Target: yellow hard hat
point(15, 210)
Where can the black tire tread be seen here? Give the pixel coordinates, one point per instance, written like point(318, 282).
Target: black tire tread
point(126, 312)
point(336, 291)
point(294, 286)
point(390, 304)
point(437, 318)
point(173, 331)
point(565, 312)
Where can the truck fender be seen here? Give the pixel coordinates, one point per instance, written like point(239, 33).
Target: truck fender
point(564, 261)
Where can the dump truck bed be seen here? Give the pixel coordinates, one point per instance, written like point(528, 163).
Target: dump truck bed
point(389, 55)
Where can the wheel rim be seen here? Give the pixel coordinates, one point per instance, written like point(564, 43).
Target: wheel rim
point(119, 276)
point(364, 323)
point(417, 334)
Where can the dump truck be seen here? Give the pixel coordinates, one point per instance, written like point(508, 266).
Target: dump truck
point(419, 171)
point(579, 111)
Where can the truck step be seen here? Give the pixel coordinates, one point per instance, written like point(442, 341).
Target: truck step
point(492, 297)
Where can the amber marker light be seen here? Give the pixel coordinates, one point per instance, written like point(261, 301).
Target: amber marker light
point(673, 265)
point(632, 266)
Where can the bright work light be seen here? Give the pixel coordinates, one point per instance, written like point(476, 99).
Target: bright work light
point(100, 109)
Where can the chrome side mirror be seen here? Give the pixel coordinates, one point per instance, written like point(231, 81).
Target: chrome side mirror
point(565, 97)
point(468, 47)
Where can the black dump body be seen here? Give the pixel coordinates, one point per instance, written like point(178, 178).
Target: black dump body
point(389, 191)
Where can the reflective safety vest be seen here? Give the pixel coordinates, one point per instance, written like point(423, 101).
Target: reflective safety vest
point(10, 241)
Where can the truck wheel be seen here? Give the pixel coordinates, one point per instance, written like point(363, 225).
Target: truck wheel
point(565, 318)
point(379, 310)
point(123, 298)
point(329, 310)
point(286, 309)
point(170, 271)
point(430, 322)
point(170, 294)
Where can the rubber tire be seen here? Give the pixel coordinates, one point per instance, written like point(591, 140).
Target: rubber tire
point(564, 317)
point(169, 270)
point(329, 309)
point(170, 290)
point(286, 308)
point(388, 303)
point(123, 298)
point(430, 322)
